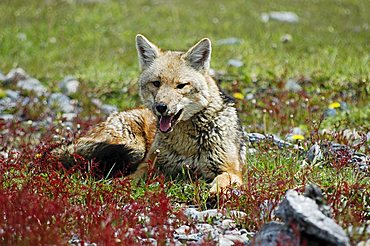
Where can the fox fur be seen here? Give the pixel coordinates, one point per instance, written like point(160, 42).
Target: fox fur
point(186, 116)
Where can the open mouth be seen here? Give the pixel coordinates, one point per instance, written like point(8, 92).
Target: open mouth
point(167, 122)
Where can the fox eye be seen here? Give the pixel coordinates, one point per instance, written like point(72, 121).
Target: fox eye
point(156, 83)
point(180, 86)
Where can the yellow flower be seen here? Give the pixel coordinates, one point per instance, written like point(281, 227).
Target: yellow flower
point(38, 155)
point(238, 95)
point(334, 105)
point(298, 137)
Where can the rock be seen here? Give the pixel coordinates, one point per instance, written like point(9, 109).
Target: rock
point(317, 153)
point(310, 220)
point(69, 85)
point(182, 229)
point(61, 102)
point(330, 112)
point(7, 117)
point(2, 77)
point(314, 192)
point(286, 38)
point(273, 234)
point(344, 106)
point(204, 228)
point(352, 136)
point(209, 214)
point(75, 240)
point(292, 85)
point(22, 36)
point(32, 84)
point(235, 238)
point(235, 63)
point(364, 243)
point(228, 224)
point(282, 16)
point(15, 75)
point(14, 95)
point(229, 41)
point(223, 241)
point(7, 104)
point(68, 117)
point(255, 137)
point(191, 213)
point(237, 214)
point(107, 109)
point(190, 237)
point(314, 154)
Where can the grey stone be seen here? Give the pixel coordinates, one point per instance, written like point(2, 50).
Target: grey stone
point(190, 237)
point(344, 106)
point(32, 84)
point(7, 104)
point(228, 224)
point(235, 238)
point(96, 102)
point(235, 63)
point(7, 117)
point(229, 41)
point(108, 109)
point(203, 227)
point(237, 214)
point(223, 241)
point(314, 192)
point(69, 117)
point(330, 112)
point(209, 214)
point(15, 75)
point(22, 36)
point(69, 85)
point(255, 137)
point(306, 213)
point(282, 16)
point(286, 38)
point(293, 86)
point(364, 243)
point(314, 154)
point(14, 95)
point(273, 234)
point(61, 102)
point(191, 213)
point(149, 241)
point(2, 77)
point(182, 229)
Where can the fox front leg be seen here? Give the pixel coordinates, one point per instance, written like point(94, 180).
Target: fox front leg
point(143, 167)
point(224, 180)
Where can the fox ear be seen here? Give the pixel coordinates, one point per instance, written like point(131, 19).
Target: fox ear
point(147, 51)
point(199, 56)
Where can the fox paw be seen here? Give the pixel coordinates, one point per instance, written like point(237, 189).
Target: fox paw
point(224, 180)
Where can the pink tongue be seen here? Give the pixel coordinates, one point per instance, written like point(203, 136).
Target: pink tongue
point(165, 123)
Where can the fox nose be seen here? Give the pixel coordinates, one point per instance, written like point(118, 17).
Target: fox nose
point(161, 108)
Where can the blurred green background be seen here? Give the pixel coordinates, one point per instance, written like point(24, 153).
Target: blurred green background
point(95, 39)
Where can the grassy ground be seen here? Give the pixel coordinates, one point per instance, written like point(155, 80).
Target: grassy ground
point(328, 56)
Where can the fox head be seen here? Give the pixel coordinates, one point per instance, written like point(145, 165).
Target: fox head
point(174, 85)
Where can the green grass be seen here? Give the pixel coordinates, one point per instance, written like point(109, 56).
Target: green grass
point(95, 41)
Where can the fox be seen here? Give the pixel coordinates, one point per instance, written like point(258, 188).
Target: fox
point(187, 123)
